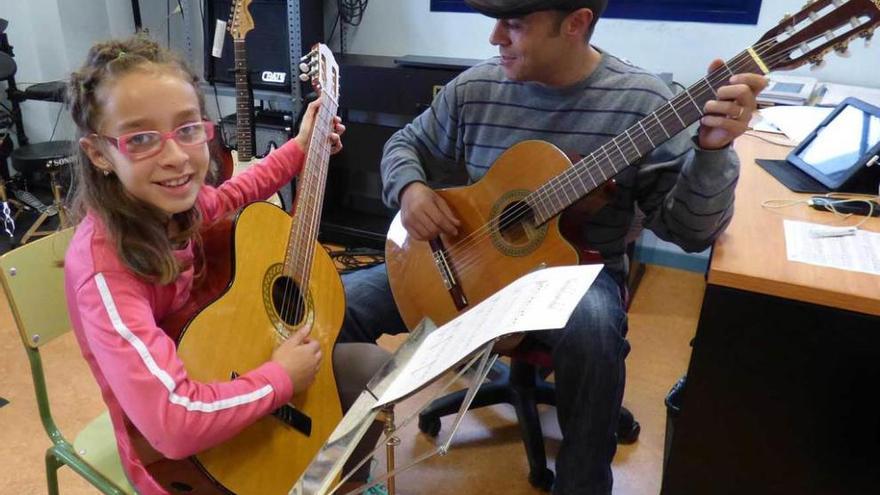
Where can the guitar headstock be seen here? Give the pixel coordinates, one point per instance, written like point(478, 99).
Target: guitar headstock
point(240, 20)
point(819, 27)
point(320, 67)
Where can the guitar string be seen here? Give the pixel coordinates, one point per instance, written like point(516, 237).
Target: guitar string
point(545, 203)
point(325, 120)
point(589, 164)
point(307, 220)
point(567, 175)
point(665, 110)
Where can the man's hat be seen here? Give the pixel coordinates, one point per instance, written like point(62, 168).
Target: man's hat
point(517, 8)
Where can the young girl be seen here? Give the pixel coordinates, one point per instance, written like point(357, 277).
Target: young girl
point(141, 199)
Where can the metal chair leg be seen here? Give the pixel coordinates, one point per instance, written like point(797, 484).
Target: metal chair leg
point(52, 465)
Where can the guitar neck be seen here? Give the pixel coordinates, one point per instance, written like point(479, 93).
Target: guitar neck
point(244, 104)
point(640, 139)
point(310, 196)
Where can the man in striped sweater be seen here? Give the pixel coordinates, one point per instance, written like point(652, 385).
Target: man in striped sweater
point(550, 84)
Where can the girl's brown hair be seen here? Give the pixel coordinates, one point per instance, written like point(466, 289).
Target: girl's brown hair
point(139, 230)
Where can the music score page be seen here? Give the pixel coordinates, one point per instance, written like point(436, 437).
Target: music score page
point(540, 300)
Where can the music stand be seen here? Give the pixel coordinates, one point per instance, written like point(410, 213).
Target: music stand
point(320, 477)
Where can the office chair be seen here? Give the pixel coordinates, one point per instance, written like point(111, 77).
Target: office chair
point(33, 280)
point(523, 385)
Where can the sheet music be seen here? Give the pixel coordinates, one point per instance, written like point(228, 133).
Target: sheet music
point(540, 300)
point(859, 252)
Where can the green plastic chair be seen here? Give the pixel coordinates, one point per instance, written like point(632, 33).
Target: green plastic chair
point(33, 279)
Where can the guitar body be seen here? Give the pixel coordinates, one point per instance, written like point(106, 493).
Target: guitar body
point(239, 331)
point(485, 262)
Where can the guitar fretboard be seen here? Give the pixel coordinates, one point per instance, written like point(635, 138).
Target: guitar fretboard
point(640, 139)
point(244, 104)
point(310, 197)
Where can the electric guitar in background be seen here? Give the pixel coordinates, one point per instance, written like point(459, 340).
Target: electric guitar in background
point(240, 24)
point(512, 220)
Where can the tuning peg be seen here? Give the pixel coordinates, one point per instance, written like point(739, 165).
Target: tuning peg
point(308, 55)
point(818, 63)
point(842, 50)
point(304, 67)
point(867, 36)
point(304, 77)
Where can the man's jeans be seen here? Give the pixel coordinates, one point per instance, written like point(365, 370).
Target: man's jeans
point(588, 357)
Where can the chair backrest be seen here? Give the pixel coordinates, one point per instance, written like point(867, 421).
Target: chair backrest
point(33, 278)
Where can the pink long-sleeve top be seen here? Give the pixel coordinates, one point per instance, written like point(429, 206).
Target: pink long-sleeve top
point(142, 379)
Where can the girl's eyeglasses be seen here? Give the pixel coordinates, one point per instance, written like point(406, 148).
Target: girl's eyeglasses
point(144, 144)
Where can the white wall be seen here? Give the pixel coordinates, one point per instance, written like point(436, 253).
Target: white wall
point(50, 39)
point(400, 27)
point(47, 48)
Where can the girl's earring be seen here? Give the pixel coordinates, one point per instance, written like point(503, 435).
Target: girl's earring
point(106, 173)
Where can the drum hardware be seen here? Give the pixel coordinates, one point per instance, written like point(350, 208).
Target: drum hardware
point(53, 167)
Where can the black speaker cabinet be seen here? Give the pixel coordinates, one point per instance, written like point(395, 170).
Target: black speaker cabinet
point(273, 129)
point(267, 43)
point(378, 96)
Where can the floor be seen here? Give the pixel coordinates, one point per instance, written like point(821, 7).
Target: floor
point(485, 457)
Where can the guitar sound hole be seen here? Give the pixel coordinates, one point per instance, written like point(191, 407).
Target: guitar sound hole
point(515, 223)
point(288, 301)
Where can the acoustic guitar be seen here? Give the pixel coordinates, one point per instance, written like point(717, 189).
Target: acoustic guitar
point(510, 219)
point(279, 279)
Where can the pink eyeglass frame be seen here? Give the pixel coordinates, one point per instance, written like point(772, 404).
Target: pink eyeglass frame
point(121, 142)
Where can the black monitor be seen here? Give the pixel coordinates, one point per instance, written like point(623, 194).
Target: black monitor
point(842, 153)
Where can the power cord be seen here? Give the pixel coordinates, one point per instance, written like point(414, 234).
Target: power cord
point(352, 259)
point(352, 11)
point(57, 117)
point(834, 202)
point(785, 144)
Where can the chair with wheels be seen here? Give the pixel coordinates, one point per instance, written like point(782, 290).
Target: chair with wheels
point(523, 385)
point(33, 280)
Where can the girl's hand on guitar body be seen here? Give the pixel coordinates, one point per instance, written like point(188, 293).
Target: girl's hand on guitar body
point(301, 357)
point(425, 214)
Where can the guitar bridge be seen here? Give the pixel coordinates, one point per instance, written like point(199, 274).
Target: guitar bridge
point(447, 274)
point(290, 416)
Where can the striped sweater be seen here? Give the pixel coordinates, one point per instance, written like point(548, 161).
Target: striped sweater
point(686, 193)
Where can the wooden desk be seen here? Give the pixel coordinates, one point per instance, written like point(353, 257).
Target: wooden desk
point(750, 255)
point(786, 362)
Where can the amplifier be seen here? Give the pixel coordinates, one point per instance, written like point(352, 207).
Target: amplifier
point(272, 129)
point(267, 44)
point(379, 96)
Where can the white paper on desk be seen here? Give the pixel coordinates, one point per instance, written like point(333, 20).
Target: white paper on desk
point(833, 94)
point(540, 300)
point(857, 253)
point(795, 122)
